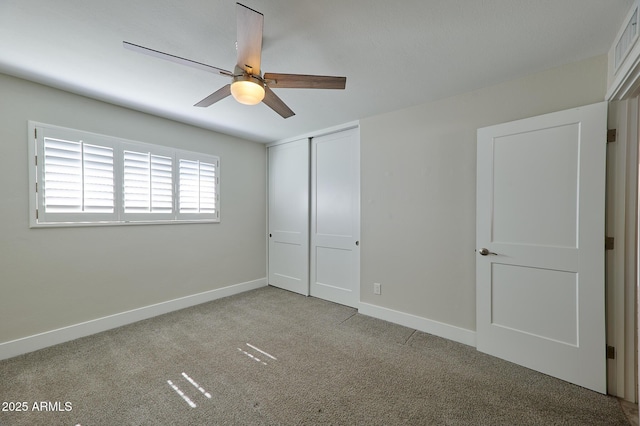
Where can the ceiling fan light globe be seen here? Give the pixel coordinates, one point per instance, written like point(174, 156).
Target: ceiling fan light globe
point(247, 92)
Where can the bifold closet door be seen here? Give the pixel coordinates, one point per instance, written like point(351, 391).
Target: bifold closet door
point(335, 217)
point(288, 209)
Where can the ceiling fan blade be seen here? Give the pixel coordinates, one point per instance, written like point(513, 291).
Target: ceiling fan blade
point(300, 81)
point(219, 94)
point(175, 59)
point(276, 104)
point(249, 38)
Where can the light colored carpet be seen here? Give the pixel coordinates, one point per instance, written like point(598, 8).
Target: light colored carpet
point(270, 357)
point(630, 410)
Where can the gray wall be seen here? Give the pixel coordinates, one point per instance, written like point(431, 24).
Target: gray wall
point(418, 208)
point(51, 278)
point(418, 170)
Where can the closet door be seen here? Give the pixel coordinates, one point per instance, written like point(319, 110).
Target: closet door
point(288, 210)
point(335, 217)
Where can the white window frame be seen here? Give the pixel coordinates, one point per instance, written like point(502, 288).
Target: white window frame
point(39, 217)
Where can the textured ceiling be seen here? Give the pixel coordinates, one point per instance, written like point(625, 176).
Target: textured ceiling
point(394, 54)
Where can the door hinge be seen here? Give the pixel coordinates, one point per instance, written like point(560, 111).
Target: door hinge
point(611, 352)
point(611, 135)
point(608, 243)
point(36, 214)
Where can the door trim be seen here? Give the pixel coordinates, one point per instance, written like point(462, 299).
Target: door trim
point(622, 198)
point(624, 86)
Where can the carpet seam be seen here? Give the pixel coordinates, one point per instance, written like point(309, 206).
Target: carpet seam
point(409, 338)
point(348, 318)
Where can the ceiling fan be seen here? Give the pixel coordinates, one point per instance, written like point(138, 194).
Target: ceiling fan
point(248, 86)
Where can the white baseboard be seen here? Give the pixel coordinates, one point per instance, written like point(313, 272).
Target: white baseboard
point(65, 334)
point(440, 329)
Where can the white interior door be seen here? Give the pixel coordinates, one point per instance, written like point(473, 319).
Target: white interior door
point(540, 220)
point(288, 210)
point(335, 217)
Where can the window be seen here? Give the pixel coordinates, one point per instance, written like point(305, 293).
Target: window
point(82, 178)
point(197, 190)
point(147, 183)
point(78, 177)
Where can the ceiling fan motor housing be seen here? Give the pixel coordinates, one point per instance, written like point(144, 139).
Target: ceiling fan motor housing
point(248, 89)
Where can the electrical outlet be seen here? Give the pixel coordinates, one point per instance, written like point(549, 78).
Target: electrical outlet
point(377, 288)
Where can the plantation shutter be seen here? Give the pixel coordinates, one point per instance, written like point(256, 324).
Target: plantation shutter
point(78, 177)
point(208, 193)
point(62, 176)
point(148, 183)
point(81, 178)
point(198, 187)
point(161, 184)
point(99, 191)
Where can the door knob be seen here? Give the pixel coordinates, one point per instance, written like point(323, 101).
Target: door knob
point(485, 252)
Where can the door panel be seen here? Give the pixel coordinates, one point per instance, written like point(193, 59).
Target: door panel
point(521, 294)
point(523, 189)
point(334, 267)
point(289, 216)
point(334, 190)
point(335, 220)
point(540, 214)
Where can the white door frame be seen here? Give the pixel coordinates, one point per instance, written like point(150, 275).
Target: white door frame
point(624, 85)
point(622, 262)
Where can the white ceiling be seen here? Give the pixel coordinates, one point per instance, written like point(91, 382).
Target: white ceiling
point(394, 54)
